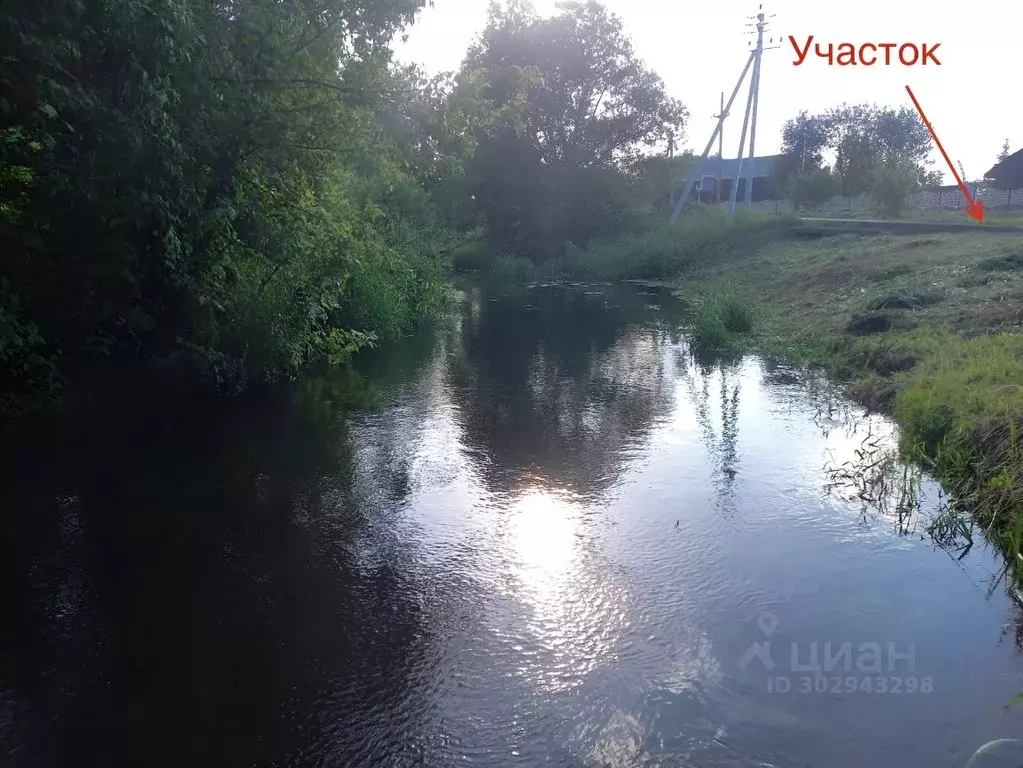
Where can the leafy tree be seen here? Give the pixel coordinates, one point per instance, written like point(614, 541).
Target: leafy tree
point(660, 180)
point(861, 139)
point(569, 108)
point(855, 146)
point(803, 143)
point(812, 189)
point(891, 186)
point(218, 185)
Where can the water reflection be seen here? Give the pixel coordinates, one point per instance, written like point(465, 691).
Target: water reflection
point(713, 388)
point(541, 532)
point(557, 384)
point(544, 534)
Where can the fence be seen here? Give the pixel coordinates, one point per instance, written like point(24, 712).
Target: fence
point(925, 200)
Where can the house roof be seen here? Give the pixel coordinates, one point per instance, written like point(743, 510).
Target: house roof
point(1007, 174)
point(727, 168)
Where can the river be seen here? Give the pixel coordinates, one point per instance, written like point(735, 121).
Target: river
point(545, 531)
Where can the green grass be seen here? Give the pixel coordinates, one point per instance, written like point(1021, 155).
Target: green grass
point(992, 218)
point(947, 362)
point(722, 318)
point(703, 234)
point(928, 328)
point(480, 258)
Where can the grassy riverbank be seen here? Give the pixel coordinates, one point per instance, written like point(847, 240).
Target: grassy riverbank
point(928, 328)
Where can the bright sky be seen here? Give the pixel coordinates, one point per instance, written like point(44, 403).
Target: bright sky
point(974, 99)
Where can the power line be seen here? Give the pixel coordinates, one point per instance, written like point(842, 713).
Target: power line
point(752, 102)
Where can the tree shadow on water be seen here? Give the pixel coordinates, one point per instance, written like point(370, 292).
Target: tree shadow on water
point(179, 587)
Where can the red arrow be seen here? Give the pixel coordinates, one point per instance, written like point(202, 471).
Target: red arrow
point(974, 209)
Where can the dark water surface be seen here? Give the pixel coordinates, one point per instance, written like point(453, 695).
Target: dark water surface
point(547, 532)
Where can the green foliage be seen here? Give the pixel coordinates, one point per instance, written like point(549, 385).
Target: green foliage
point(891, 186)
point(657, 181)
point(508, 269)
point(702, 236)
point(812, 189)
point(15, 180)
point(562, 110)
point(27, 374)
point(804, 140)
point(862, 140)
point(722, 316)
point(245, 187)
point(474, 256)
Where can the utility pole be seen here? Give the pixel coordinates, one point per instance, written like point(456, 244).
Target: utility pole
point(706, 150)
point(671, 181)
point(755, 88)
point(721, 115)
point(751, 106)
point(752, 101)
point(742, 137)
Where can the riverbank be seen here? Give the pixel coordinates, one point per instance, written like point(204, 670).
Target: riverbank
point(926, 328)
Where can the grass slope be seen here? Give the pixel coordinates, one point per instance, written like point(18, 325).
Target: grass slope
point(928, 328)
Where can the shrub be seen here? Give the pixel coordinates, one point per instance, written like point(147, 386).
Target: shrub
point(891, 187)
point(27, 375)
point(704, 234)
point(721, 316)
point(471, 257)
point(812, 189)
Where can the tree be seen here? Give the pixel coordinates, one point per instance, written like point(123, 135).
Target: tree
point(1005, 151)
point(855, 147)
point(569, 108)
point(891, 186)
point(861, 139)
point(212, 182)
point(803, 142)
point(814, 188)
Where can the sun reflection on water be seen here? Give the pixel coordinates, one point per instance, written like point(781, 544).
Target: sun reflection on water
point(545, 533)
point(576, 614)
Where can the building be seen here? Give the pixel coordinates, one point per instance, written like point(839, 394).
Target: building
point(1008, 174)
point(715, 174)
point(1003, 183)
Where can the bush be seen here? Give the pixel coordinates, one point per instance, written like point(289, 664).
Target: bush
point(891, 187)
point(512, 269)
point(27, 375)
point(163, 197)
point(703, 234)
point(812, 189)
point(720, 317)
point(471, 257)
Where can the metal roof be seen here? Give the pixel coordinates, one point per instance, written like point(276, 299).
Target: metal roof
point(1007, 174)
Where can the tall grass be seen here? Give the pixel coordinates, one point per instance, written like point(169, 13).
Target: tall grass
point(473, 256)
point(959, 403)
point(703, 234)
point(501, 267)
point(723, 317)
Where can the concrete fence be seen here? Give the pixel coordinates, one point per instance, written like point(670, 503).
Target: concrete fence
point(925, 200)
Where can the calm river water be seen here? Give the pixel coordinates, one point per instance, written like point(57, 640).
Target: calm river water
point(546, 532)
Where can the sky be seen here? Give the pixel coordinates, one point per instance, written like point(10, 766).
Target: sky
point(974, 99)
